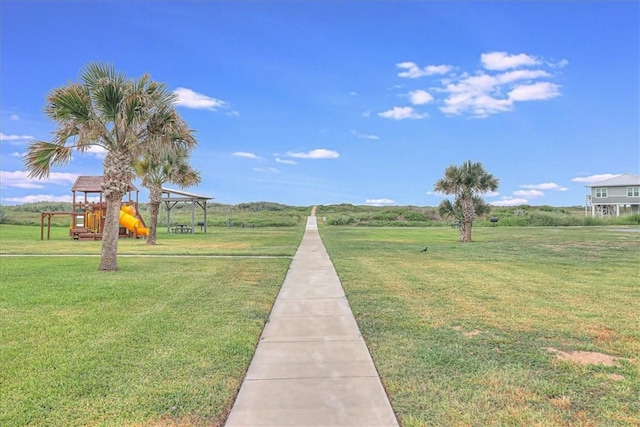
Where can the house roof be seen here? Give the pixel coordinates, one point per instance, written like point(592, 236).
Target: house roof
point(618, 181)
point(92, 184)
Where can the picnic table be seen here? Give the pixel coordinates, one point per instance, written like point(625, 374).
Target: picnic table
point(181, 228)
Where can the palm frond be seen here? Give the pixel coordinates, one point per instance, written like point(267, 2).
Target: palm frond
point(41, 156)
point(70, 102)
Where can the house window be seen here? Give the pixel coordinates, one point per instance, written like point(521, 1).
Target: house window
point(601, 192)
point(633, 191)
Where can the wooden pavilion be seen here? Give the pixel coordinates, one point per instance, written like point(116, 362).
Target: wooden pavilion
point(172, 197)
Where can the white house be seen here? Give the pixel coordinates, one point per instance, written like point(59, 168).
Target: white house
point(609, 196)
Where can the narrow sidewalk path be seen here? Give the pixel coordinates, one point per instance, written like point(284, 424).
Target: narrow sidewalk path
point(311, 367)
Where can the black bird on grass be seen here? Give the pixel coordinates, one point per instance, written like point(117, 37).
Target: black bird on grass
point(425, 249)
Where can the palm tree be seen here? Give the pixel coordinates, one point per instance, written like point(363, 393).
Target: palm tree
point(125, 117)
point(449, 210)
point(466, 182)
point(155, 170)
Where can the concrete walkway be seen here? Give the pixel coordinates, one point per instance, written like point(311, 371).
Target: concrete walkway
point(311, 367)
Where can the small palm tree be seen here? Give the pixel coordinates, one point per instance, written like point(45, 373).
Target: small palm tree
point(466, 182)
point(125, 117)
point(156, 170)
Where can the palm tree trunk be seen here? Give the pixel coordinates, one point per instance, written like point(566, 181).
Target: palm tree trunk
point(110, 234)
point(116, 182)
point(466, 232)
point(468, 215)
point(155, 198)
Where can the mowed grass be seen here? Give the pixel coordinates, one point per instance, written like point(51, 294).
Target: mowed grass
point(460, 333)
point(267, 241)
point(163, 341)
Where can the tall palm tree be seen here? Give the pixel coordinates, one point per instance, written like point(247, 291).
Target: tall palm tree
point(155, 170)
point(126, 117)
point(467, 182)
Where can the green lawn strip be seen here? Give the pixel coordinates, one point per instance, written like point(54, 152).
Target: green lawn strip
point(459, 333)
point(272, 241)
point(157, 342)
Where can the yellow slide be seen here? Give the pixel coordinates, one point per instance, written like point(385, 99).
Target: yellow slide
point(130, 222)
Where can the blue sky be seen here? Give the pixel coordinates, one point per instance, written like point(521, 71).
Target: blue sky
point(305, 103)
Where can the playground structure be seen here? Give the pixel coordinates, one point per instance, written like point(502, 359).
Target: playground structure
point(89, 212)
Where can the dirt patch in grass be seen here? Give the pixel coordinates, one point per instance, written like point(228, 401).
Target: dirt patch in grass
point(602, 334)
point(468, 334)
point(585, 357)
point(561, 403)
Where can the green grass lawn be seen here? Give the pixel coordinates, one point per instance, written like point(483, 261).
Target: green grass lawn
point(460, 333)
point(163, 341)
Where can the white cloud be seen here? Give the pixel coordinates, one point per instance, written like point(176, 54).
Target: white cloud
point(509, 201)
point(594, 178)
point(97, 151)
point(363, 135)
point(435, 193)
point(503, 61)
point(353, 93)
point(17, 154)
point(545, 186)
point(267, 170)
point(504, 80)
point(413, 71)
point(14, 117)
point(286, 161)
point(402, 113)
point(379, 202)
point(528, 193)
point(319, 153)
point(512, 76)
point(246, 155)
point(20, 179)
point(560, 64)
point(420, 97)
point(233, 114)
point(39, 198)
point(190, 99)
point(4, 137)
point(534, 92)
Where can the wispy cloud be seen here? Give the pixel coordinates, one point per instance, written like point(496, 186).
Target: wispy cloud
point(246, 155)
point(528, 193)
point(414, 72)
point(191, 99)
point(509, 201)
point(402, 113)
point(285, 161)
point(545, 186)
point(14, 117)
point(534, 92)
point(592, 179)
point(267, 170)
point(319, 153)
point(20, 179)
point(38, 198)
point(503, 61)
point(379, 202)
point(364, 135)
point(4, 137)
